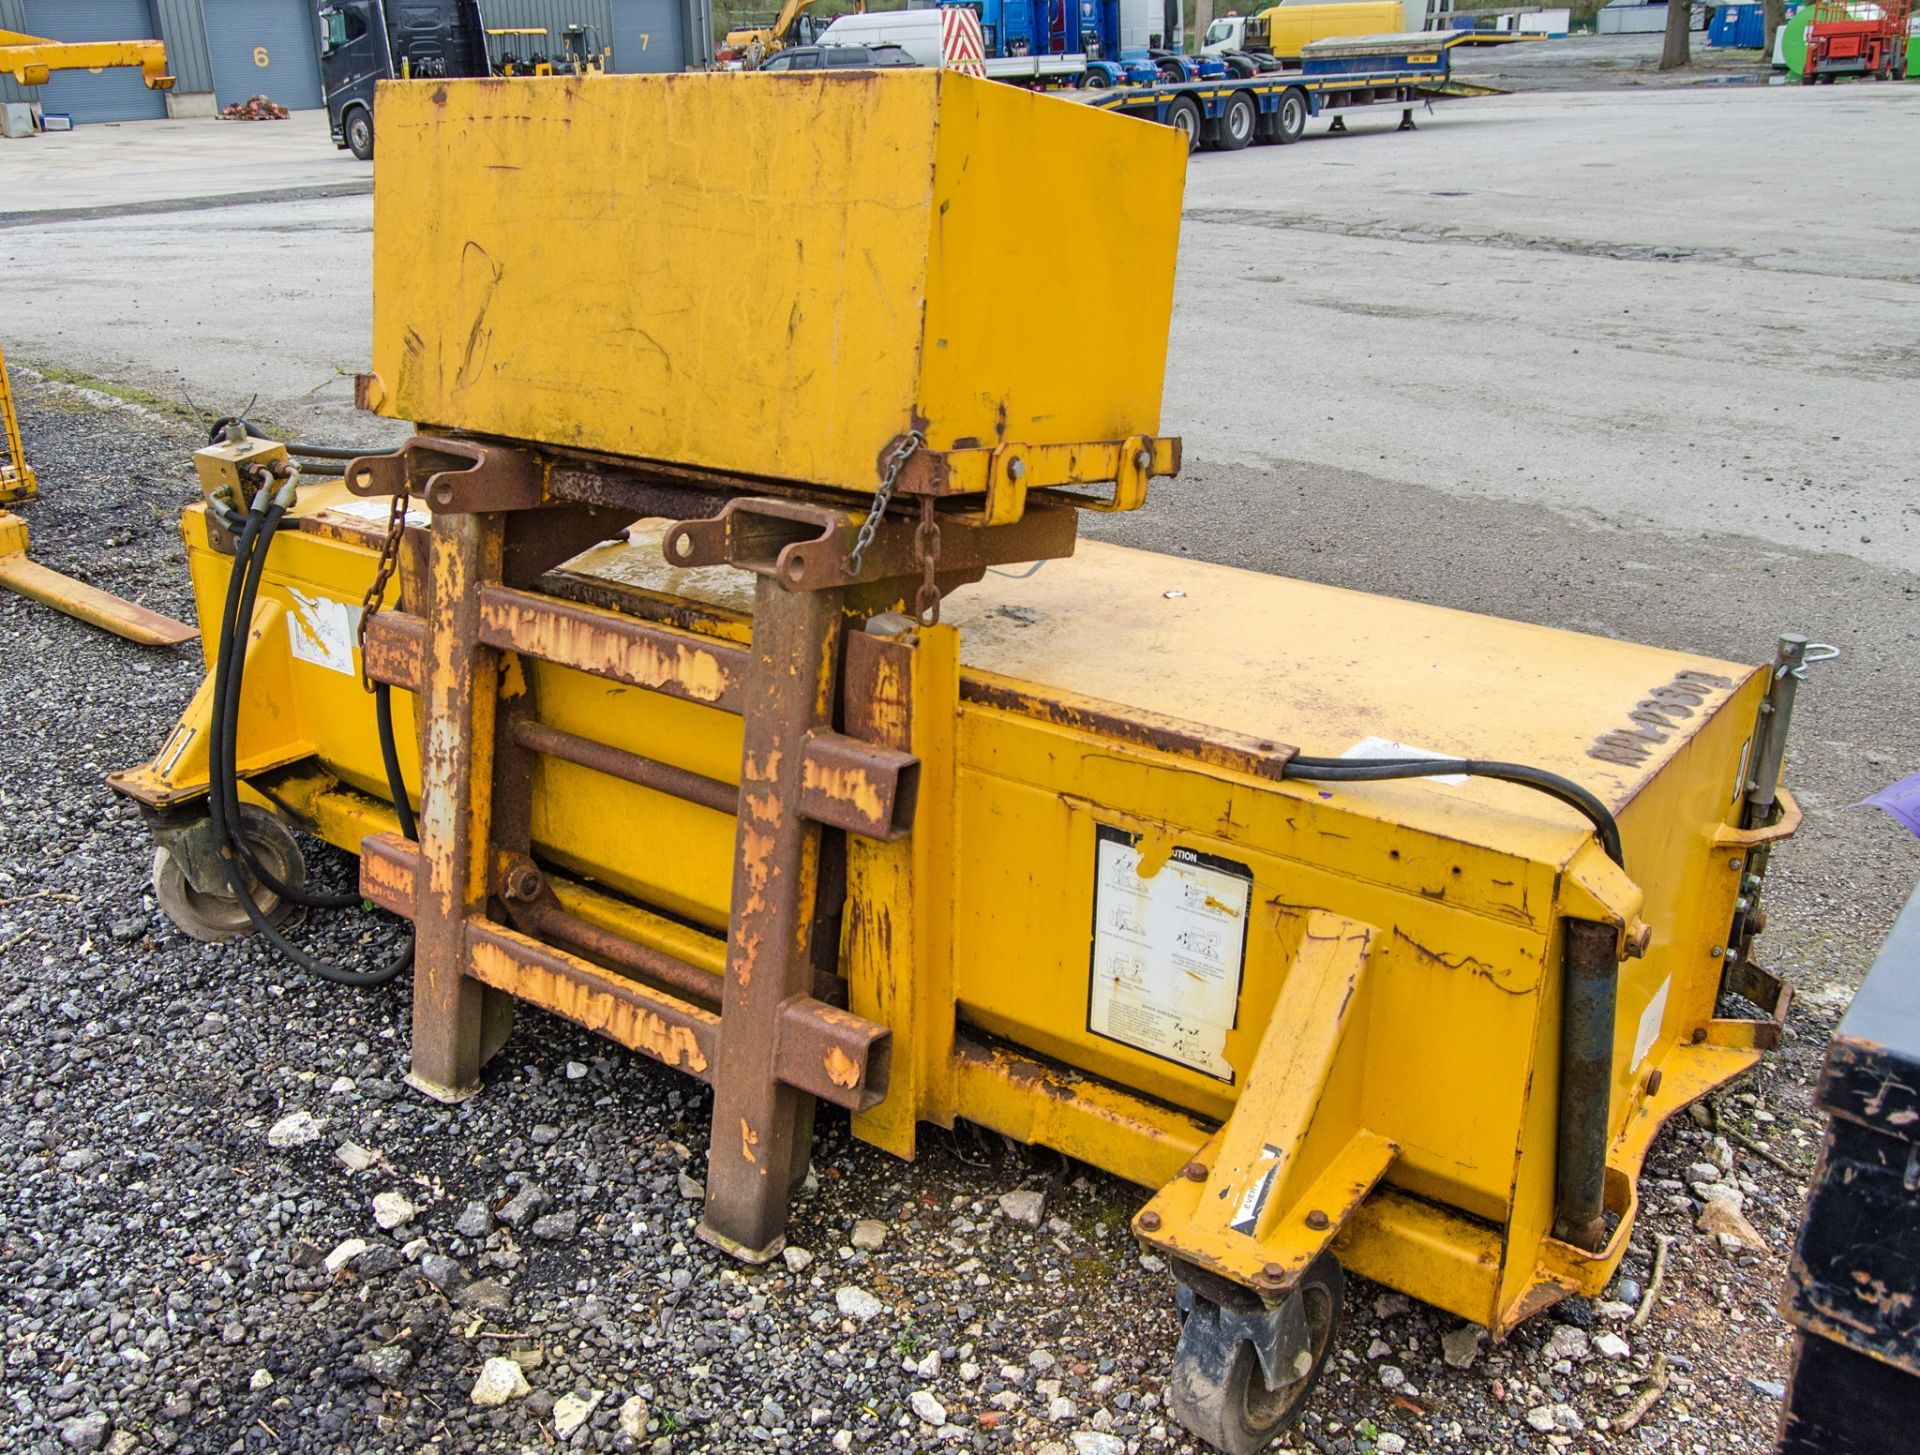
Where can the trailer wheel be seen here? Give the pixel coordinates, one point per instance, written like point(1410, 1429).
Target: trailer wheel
point(359, 130)
point(1218, 1389)
point(1241, 66)
point(1183, 115)
point(1291, 123)
point(1172, 72)
point(1235, 127)
point(215, 918)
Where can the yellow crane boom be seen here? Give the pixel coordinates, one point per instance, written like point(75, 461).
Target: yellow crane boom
point(31, 60)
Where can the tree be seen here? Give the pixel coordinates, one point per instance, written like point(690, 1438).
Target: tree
point(1775, 14)
point(1677, 51)
point(1202, 18)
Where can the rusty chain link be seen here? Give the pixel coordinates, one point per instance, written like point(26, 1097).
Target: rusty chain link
point(896, 461)
point(926, 543)
point(383, 573)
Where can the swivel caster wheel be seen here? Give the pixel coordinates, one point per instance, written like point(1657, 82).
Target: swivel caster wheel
point(1241, 1377)
point(208, 911)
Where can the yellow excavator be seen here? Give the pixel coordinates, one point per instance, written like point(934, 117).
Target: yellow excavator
point(31, 60)
point(748, 48)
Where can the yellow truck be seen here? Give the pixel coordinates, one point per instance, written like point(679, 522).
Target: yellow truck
point(1256, 42)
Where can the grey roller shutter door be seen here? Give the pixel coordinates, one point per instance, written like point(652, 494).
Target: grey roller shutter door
point(264, 48)
point(648, 35)
point(117, 95)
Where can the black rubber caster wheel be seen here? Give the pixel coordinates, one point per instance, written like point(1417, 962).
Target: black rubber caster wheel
point(1240, 1378)
point(216, 917)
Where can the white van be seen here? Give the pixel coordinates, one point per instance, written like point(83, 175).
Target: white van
point(917, 32)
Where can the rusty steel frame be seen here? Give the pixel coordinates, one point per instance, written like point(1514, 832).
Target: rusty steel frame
point(769, 1033)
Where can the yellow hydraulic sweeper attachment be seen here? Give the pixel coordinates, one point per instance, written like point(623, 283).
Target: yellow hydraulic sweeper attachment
point(1123, 855)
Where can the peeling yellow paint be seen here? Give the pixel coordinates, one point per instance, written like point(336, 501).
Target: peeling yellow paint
point(845, 785)
point(513, 677)
point(841, 1070)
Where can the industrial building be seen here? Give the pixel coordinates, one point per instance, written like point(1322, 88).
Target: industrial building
point(223, 51)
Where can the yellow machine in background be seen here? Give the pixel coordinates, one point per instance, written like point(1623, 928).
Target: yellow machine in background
point(1359, 932)
point(749, 46)
point(31, 61)
point(18, 483)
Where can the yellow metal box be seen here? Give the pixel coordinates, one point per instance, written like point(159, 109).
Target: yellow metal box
point(770, 275)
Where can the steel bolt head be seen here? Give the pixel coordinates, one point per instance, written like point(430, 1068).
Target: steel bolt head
point(1194, 1172)
point(523, 881)
point(1639, 942)
point(1318, 1220)
point(1143, 460)
point(1273, 1273)
point(1016, 469)
point(1149, 1221)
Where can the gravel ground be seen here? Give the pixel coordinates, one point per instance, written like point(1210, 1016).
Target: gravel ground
point(171, 1279)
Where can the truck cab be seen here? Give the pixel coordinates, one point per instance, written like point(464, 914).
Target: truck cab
point(365, 41)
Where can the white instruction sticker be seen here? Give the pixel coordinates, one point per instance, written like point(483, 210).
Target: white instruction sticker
point(1168, 948)
point(380, 510)
point(1650, 1020)
point(1385, 749)
point(322, 631)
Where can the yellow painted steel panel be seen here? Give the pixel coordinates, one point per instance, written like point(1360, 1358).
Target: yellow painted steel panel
point(774, 275)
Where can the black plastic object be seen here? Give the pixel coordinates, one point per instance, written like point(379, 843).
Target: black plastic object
point(1854, 1282)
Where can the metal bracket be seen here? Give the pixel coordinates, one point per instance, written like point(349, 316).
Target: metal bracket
point(808, 547)
point(452, 475)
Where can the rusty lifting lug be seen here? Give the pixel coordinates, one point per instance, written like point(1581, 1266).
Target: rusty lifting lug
point(457, 476)
point(808, 547)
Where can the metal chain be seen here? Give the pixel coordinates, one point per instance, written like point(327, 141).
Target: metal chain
point(383, 573)
point(896, 461)
point(926, 543)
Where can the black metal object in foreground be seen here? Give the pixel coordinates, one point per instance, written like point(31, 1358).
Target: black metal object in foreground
point(1854, 1283)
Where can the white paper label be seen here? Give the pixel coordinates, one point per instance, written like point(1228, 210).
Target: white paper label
point(381, 511)
point(1383, 749)
point(1167, 952)
point(1650, 1020)
point(321, 630)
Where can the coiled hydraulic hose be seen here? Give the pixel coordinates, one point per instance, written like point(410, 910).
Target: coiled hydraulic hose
point(251, 549)
point(1374, 770)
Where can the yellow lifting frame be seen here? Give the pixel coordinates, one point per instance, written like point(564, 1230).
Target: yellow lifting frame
point(31, 60)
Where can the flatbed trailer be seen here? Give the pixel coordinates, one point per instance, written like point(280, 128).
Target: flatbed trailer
point(1229, 113)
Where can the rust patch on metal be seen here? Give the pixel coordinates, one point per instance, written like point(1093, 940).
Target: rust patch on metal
point(669, 1030)
point(849, 785)
point(397, 649)
point(609, 645)
point(1213, 747)
point(389, 871)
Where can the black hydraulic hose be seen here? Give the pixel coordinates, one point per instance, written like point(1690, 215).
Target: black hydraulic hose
point(224, 790)
point(306, 449)
point(1375, 770)
point(227, 704)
